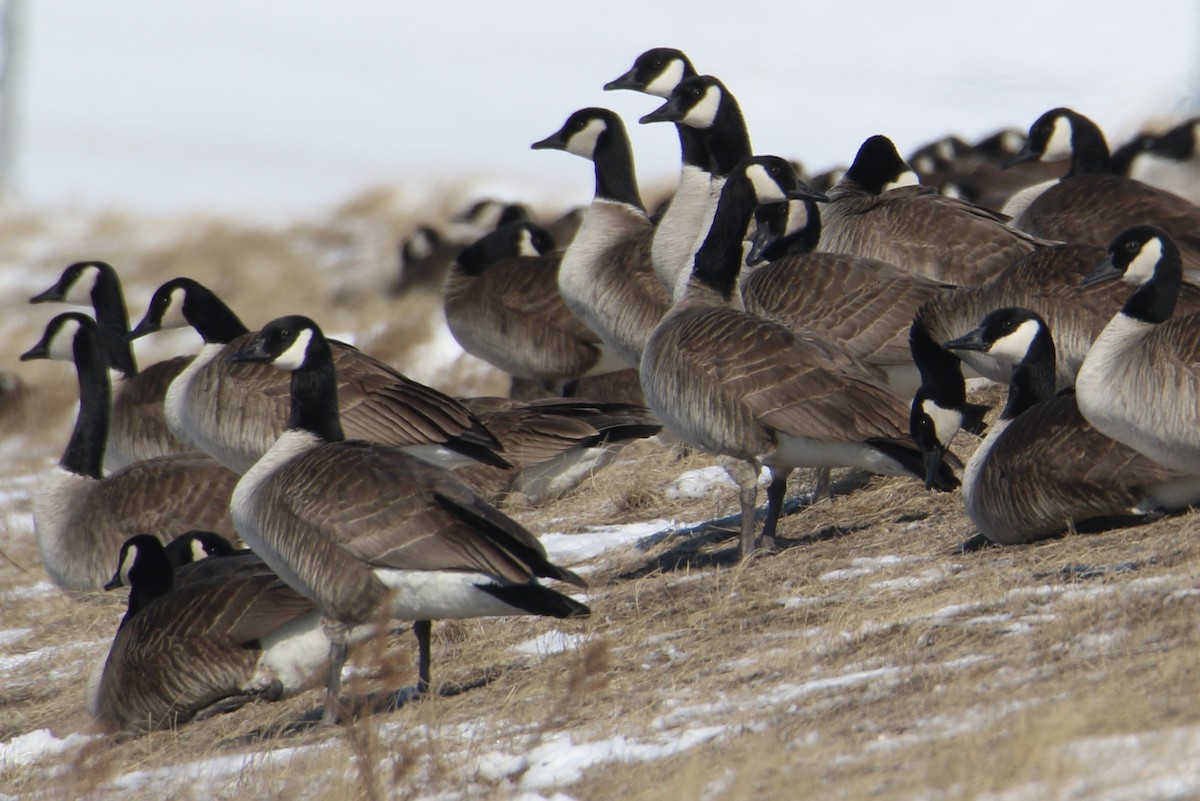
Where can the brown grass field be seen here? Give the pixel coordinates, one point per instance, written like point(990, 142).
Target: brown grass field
point(867, 659)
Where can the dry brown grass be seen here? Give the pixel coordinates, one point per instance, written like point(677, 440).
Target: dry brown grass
point(865, 659)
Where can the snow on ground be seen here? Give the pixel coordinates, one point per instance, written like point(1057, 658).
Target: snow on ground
point(37, 746)
point(534, 765)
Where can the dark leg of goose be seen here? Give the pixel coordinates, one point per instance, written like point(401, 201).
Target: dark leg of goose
point(775, 494)
point(823, 486)
point(422, 629)
point(746, 477)
point(336, 632)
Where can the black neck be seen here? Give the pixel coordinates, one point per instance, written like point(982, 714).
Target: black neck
point(108, 302)
point(693, 146)
point(84, 455)
point(941, 371)
point(150, 579)
point(314, 395)
point(213, 320)
point(1154, 301)
point(1033, 379)
point(718, 261)
point(728, 139)
point(615, 178)
point(1089, 151)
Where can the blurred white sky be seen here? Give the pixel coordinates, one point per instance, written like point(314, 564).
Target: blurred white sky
point(271, 108)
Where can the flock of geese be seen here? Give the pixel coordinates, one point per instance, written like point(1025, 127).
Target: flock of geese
point(776, 323)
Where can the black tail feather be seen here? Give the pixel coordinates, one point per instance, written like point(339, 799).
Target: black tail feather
point(537, 600)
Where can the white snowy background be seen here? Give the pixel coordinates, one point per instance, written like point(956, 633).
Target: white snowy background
point(269, 108)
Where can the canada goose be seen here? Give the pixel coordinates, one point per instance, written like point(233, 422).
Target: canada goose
point(879, 211)
point(364, 528)
point(1169, 160)
point(378, 402)
point(939, 406)
point(424, 259)
point(138, 430)
point(756, 391)
point(605, 275)
point(864, 305)
point(657, 72)
point(1042, 468)
point(977, 171)
point(704, 103)
point(1046, 281)
point(195, 648)
point(1090, 205)
point(502, 304)
point(553, 444)
point(1140, 382)
point(80, 516)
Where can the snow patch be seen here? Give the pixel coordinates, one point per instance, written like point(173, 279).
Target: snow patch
point(552, 642)
point(35, 746)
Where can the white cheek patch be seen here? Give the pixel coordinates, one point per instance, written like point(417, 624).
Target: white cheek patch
point(1059, 145)
point(946, 422)
point(766, 188)
point(173, 317)
point(704, 113)
point(127, 564)
point(1142, 267)
point(797, 217)
point(198, 551)
point(924, 164)
point(293, 358)
point(1011, 348)
point(945, 151)
point(419, 245)
point(1011, 141)
point(667, 80)
point(62, 341)
point(584, 143)
point(906, 178)
point(525, 246)
point(79, 293)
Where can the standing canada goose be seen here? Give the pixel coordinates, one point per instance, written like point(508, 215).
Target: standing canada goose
point(879, 211)
point(1140, 382)
point(1090, 205)
point(605, 276)
point(138, 430)
point(1042, 467)
point(756, 391)
point(864, 305)
point(193, 648)
point(1047, 281)
point(553, 444)
point(704, 103)
point(657, 72)
point(502, 304)
point(364, 528)
point(234, 412)
point(81, 517)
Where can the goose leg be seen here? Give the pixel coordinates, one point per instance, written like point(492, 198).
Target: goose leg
point(823, 486)
point(336, 632)
point(775, 494)
point(745, 476)
point(422, 629)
